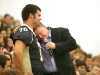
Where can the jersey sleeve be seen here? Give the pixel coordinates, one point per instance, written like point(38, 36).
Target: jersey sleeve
point(23, 34)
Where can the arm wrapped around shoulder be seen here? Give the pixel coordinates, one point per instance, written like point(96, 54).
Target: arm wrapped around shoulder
point(66, 42)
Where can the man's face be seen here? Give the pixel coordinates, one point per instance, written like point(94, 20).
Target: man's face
point(95, 70)
point(41, 32)
point(1, 51)
point(7, 66)
point(37, 18)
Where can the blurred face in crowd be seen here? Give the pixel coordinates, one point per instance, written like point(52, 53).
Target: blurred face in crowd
point(81, 69)
point(9, 31)
point(3, 33)
point(41, 32)
point(16, 23)
point(7, 19)
point(96, 61)
point(88, 62)
point(11, 21)
point(9, 58)
point(1, 51)
point(81, 56)
point(10, 42)
point(95, 70)
point(7, 66)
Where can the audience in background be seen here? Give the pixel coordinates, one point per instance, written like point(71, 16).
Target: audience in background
point(85, 64)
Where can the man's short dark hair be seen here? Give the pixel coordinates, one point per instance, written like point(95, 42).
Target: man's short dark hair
point(3, 60)
point(29, 8)
point(80, 63)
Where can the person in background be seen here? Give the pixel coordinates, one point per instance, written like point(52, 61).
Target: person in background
point(10, 59)
point(4, 63)
point(89, 62)
point(7, 18)
point(81, 67)
point(96, 60)
point(3, 31)
point(16, 23)
point(9, 30)
point(1, 40)
point(1, 49)
point(94, 70)
point(8, 44)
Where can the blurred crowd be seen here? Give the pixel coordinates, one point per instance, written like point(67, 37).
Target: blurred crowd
point(7, 25)
point(85, 64)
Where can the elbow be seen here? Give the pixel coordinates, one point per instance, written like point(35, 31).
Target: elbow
point(15, 53)
point(73, 44)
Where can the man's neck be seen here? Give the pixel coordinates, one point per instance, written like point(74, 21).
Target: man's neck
point(29, 24)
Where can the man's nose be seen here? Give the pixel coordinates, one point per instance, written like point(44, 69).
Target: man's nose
point(40, 18)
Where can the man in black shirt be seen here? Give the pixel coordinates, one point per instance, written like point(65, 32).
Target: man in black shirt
point(27, 51)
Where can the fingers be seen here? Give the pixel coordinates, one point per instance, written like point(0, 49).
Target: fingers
point(16, 28)
point(50, 45)
point(47, 45)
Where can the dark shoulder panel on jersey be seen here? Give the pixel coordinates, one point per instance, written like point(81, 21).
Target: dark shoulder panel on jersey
point(24, 34)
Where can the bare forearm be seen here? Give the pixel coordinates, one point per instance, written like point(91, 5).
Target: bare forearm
point(18, 60)
point(18, 55)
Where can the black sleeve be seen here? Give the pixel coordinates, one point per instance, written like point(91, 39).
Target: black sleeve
point(23, 35)
point(67, 43)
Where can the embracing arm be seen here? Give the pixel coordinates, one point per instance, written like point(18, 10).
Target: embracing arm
point(66, 42)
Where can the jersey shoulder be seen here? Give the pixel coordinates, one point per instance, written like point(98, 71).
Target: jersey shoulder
point(24, 34)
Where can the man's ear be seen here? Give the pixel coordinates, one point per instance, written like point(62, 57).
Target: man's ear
point(31, 15)
point(1, 68)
